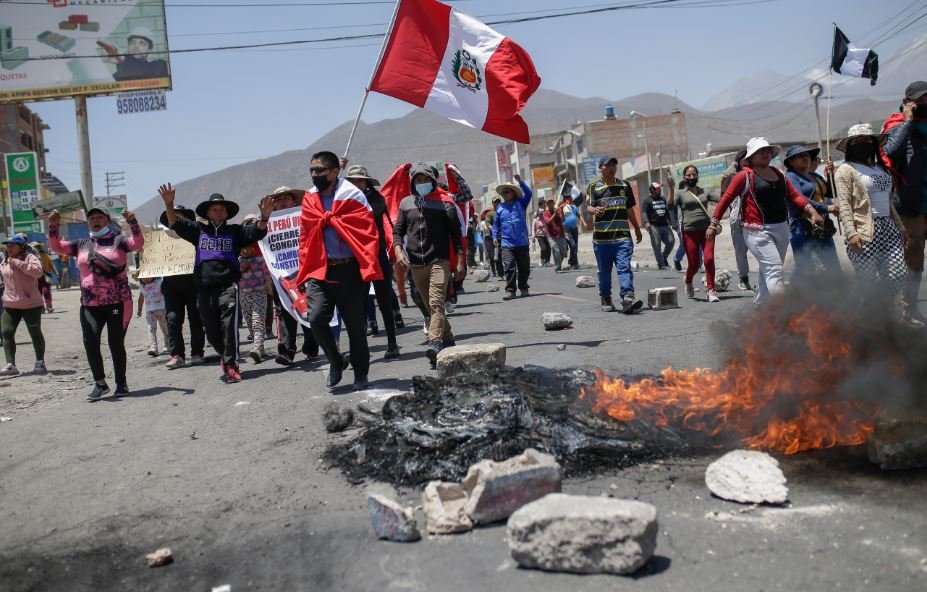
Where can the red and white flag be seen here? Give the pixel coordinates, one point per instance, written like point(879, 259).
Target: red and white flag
point(447, 62)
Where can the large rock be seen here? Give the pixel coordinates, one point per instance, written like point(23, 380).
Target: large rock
point(747, 476)
point(461, 358)
point(391, 521)
point(481, 275)
point(585, 281)
point(496, 489)
point(899, 444)
point(554, 321)
point(445, 507)
point(582, 534)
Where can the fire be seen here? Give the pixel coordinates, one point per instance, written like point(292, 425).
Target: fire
point(778, 393)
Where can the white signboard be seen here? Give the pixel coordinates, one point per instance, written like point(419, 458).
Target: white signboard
point(142, 101)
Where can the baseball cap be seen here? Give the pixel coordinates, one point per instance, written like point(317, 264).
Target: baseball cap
point(607, 160)
point(656, 186)
point(15, 240)
point(916, 90)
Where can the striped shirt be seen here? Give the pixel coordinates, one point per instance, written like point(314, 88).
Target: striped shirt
point(617, 197)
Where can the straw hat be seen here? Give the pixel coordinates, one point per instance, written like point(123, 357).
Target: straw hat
point(360, 172)
point(509, 185)
point(860, 130)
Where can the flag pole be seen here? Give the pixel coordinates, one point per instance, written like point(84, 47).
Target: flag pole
point(830, 86)
point(376, 67)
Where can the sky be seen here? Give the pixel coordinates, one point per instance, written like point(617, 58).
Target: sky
point(230, 107)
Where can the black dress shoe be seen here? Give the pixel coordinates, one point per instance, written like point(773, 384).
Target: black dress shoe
point(334, 375)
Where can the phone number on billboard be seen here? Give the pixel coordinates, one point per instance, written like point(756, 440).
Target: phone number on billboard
point(141, 104)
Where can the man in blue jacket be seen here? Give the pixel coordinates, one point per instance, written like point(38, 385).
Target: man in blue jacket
point(510, 232)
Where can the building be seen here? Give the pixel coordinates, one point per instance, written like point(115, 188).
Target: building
point(21, 130)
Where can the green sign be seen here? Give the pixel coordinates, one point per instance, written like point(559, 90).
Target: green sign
point(22, 175)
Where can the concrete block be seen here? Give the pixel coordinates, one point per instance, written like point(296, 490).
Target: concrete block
point(14, 58)
point(445, 507)
point(391, 521)
point(899, 444)
point(748, 477)
point(496, 489)
point(67, 26)
point(662, 298)
point(583, 534)
point(93, 27)
point(463, 358)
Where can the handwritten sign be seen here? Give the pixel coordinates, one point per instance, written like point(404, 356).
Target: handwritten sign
point(165, 254)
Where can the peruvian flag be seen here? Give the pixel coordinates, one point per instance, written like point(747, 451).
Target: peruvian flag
point(445, 61)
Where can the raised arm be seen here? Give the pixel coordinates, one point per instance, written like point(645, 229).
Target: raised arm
point(57, 245)
point(137, 240)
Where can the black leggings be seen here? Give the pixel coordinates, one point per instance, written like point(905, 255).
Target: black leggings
point(9, 321)
point(92, 321)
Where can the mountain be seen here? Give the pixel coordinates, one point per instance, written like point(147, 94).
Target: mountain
point(421, 135)
point(757, 87)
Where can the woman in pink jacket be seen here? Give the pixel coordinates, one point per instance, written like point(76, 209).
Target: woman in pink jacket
point(22, 301)
point(105, 299)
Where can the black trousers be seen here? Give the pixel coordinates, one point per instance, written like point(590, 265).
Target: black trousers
point(287, 330)
point(92, 321)
point(516, 260)
point(572, 236)
point(386, 299)
point(219, 311)
point(344, 288)
point(180, 301)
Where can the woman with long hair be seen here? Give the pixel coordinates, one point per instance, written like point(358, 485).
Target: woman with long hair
point(693, 207)
point(874, 234)
point(764, 194)
point(811, 246)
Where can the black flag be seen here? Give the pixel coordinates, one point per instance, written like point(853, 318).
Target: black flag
point(852, 61)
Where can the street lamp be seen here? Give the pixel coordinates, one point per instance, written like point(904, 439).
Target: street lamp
point(646, 148)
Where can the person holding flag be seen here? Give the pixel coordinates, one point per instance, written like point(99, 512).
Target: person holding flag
point(428, 224)
point(338, 257)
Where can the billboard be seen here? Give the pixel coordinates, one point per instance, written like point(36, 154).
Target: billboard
point(114, 204)
point(72, 201)
point(543, 176)
point(710, 170)
point(63, 48)
point(22, 177)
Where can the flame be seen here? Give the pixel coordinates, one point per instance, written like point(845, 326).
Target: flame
point(778, 394)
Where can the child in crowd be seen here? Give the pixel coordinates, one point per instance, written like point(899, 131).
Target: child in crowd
point(253, 297)
point(151, 300)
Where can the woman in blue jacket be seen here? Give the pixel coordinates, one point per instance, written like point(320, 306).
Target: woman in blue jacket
point(510, 232)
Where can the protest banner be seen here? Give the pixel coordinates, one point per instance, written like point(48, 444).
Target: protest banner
point(280, 249)
point(165, 254)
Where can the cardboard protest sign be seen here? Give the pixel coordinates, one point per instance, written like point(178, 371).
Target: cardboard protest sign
point(280, 249)
point(165, 254)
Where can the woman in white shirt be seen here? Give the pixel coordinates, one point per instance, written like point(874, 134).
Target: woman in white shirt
point(875, 237)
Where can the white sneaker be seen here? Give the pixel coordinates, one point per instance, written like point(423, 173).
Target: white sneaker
point(713, 296)
point(425, 324)
point(9, 370)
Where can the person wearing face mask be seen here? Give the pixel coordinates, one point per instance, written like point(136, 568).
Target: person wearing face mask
point(875, 235)
point(510, 235)
point(429, 226)
point(22, 301)
point(810, 246)
point(764, 194)
point(656, 221)
point(905, 155)
point(216, 268)
point(693, 202)
point(339, 255)
point(105, 298)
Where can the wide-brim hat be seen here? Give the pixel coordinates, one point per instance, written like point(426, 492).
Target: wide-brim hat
point(509, 185)
point(181, 211)
point(757, 144)
point(797, 149)
point(360, 172)
point(297, 194)
point(860, 130)
point(217, 198)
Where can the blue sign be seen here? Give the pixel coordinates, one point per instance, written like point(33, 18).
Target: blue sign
point(590, 169)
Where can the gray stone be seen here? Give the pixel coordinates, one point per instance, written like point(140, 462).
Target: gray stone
point(337, 418)
point(583, 534)
point(585, 281)
point(554, 321)
point(445, 507)
point(462, 358)
point(899, 444)
point(723, 279)
point(496, 489)
point(747, 476)
point(160, 558)
point(481, 275)
point(492, 288)
point(391, 521)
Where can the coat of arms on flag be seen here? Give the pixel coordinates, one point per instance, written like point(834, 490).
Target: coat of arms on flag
point(467, 71)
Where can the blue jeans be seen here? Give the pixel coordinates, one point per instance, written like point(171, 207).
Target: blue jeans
point(805, 250)
point(619, 254)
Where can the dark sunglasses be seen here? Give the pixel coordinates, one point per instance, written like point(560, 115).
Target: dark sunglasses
point(318, 170)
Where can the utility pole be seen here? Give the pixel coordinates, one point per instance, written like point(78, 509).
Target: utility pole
point(83, 150)
point(114, 180)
